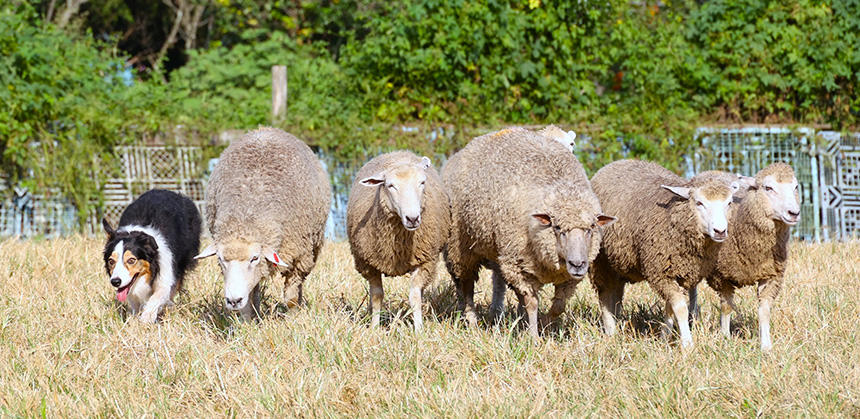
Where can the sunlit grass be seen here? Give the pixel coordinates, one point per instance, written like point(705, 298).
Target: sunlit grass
point(67, 349)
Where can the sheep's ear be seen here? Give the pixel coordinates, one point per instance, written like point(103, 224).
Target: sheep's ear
point(208, 251)
point(572, 137)
point(605, 220)
point(681, 191)
point(736, 186)
point(272, 256)
point(374, 180)
point(543, 219)
point(746, 181)
point(111, 233)
point(425, 163)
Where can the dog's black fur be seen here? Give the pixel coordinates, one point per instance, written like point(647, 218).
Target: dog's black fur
point(174, 216)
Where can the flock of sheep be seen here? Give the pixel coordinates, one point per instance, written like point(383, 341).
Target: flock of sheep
point(517, 202)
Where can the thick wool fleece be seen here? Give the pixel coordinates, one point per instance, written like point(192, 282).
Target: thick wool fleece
point(657, 236)
point(495, 184)
point(757, 247)
point(269, 188)
point(378, 240)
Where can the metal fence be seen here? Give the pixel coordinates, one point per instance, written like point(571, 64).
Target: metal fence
point(827, 165)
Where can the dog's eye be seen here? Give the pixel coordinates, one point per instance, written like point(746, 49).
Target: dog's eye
point(131, 261)
point(111, 262)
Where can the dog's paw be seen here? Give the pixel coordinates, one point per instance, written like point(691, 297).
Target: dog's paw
point(149, 316)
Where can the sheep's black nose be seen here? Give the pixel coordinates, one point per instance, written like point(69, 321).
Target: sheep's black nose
point(720, 232)
point(579, 265)
point(793, 213)
point(412, 222)
point(115, 282)
point(233, 302)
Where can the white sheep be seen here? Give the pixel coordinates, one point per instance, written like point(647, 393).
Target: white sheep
point(523, 206)
point(266, 206)
point(757, 248)
point(398, 219)
point(668, 232)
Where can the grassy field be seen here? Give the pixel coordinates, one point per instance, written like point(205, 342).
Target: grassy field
point(67, 349)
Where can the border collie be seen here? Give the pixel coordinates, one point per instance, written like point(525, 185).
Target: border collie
point(148, 255)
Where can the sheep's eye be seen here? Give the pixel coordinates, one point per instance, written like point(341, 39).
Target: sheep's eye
point(556, 228)
point(422, 183)
point(131, 261)
point(255, 258)
point(700, 204)
point(392, 187)
point(768, 188)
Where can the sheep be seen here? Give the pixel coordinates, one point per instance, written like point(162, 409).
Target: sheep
point(667, 234)
point(567, 139)
point(740, 185)
point(268, 198)
point(398, 218)
point(523, 207)
point(756, 251)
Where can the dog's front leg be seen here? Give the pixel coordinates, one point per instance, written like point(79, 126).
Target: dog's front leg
point(153, 306)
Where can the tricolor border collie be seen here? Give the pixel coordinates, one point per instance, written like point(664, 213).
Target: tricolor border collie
point(148, 255)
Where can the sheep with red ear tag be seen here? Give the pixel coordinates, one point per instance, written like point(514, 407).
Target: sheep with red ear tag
point(266, 206)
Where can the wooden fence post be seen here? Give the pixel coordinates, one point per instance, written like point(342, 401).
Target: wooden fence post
point(279, 92)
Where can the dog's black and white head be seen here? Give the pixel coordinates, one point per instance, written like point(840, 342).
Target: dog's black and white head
point(130, 257)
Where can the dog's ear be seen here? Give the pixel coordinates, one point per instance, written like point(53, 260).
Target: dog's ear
point(111, 233)
point(149, 245)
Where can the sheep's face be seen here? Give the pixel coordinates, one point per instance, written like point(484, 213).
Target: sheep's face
point(573, 243)
point(783, 198)
point(402, 191)
point(242, 269)
point(710, 204)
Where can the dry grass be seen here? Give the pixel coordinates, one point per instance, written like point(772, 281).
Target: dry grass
point(66, 349)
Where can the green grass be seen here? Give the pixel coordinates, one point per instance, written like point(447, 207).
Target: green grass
point(67, 349)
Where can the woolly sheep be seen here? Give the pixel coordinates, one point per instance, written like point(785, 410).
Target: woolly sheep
point(567, 139)
point(398, 220)
point(667, 234)
point(268, 198)
point(757, 248)
point(523, 207)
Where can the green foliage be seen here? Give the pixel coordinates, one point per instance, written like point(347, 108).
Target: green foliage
point(64, 106)
point(636, 77)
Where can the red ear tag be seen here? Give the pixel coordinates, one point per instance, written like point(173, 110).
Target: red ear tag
point(275, 255)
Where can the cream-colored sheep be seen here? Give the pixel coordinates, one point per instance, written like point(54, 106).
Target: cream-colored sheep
point(567, 139)
point(667, 234)
point(398, 219)
point(266, 207)
point(757, 248)
point(523, 206)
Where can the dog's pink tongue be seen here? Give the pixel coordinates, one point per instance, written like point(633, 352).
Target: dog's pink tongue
point(122, 295)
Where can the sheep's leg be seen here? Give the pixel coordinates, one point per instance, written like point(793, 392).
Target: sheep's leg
point(376, 296)
point(530, 298)
point(293, 289)
point(610, 293)
point(727, 304)
point(679, 307)
point(467, 287)
point(767, 292)
point(252, 308)
point(694, 303)
point(668, 321)
point(559, 299)
point(497, 307)
point(420, 278)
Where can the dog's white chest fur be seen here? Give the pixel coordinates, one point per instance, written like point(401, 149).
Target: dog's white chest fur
point(138, 295)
